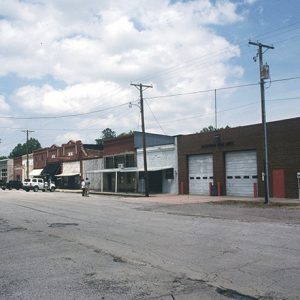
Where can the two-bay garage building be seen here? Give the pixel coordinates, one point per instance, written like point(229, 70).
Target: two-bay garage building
point(230, 161)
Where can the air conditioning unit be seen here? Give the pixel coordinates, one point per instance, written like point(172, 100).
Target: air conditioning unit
point(121, 166)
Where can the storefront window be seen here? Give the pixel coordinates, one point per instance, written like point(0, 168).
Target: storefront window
point(4, 174)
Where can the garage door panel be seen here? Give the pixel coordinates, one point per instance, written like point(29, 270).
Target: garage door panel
point(241, 173)
point(200, 174)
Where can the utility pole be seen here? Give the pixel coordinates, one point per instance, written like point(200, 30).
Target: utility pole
point(263, 76)
point(27, 155)
point(141, 87)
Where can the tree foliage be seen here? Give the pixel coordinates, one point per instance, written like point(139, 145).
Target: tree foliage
point(21, 149)
point(105, 134)
point(212, 128)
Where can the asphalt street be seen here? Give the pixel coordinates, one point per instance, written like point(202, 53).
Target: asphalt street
point(65, 246)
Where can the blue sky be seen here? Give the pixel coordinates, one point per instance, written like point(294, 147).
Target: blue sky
point(60, 58)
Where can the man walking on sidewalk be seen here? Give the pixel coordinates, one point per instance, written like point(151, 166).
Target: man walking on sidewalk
point(83, 188)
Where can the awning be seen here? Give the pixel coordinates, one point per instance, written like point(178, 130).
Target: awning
point(153, 169)
point(70, 169)
point(50, 169)
point(36, 172)
point(66, 174)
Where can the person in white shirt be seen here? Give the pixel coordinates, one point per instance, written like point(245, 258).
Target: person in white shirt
point(83, 187)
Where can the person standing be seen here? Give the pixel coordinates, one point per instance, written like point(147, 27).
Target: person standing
point(87, 187)
point(83, 187)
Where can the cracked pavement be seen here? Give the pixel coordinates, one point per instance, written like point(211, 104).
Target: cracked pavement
point(64, 246)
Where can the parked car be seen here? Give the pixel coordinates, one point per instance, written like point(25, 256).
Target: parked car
point(2, 184)
point(12, 184)
point(37, 184)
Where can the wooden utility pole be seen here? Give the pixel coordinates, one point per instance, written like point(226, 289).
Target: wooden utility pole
point(263, 112)
point(141, 87)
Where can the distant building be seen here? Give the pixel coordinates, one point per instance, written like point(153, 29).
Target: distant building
point(64, 164)
point(6, 169)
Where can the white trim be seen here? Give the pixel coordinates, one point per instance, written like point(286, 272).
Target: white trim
point(67, 174)
point(35, 172)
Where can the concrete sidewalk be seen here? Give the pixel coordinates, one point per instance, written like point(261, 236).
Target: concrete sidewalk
point(182, 199)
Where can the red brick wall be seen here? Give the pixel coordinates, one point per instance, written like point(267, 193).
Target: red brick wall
point(40, 158)
point(284, 151)
point(119, 145)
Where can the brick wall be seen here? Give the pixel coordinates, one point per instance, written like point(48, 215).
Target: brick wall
point(284, 151)
point(119, 145)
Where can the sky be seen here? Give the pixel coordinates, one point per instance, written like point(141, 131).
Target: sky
point(66, 66)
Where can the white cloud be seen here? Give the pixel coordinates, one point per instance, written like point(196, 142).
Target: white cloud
point(4, 107)
point(52, 38)
point(79, 98)
point(98, 47)
point(67, 136)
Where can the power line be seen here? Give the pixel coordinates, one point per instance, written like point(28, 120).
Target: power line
point(202, 91)
point(147, 98)
point(228, 109)
point(155, 118)
point(219, 89)
point(199, 60)
point(65, 116)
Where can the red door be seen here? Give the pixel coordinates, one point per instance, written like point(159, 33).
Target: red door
point(278, 183)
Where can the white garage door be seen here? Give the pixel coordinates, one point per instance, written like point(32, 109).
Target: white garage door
point(241, 173)
point(200, 174)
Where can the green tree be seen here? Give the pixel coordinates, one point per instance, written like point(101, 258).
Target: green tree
point(106, 134)
point(212, 128)
point(208, 129)
point(21, 149)
point(3, 157)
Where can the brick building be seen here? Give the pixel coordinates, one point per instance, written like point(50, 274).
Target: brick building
point(230, 161)
point(123, 169)
point(64, 163)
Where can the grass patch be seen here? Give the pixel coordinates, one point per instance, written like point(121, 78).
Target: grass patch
point(259, 204)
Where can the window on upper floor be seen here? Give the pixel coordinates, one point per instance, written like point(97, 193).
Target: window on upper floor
point(130, 161)
point(109, 162)
point(125, 160)
point(71, 153)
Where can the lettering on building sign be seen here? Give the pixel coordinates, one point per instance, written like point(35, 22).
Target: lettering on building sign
point(216, 145)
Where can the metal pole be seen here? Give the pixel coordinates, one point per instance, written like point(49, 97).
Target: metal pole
point(216, 121)
point(27, 154)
